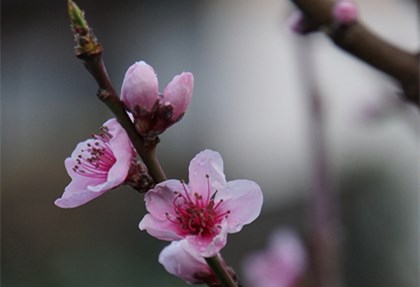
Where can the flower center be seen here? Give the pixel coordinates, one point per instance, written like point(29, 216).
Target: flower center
point(197, 216)
point(96, 158)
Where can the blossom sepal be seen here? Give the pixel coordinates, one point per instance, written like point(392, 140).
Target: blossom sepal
point(139, 177)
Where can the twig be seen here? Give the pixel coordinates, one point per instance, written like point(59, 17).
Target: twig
point(220, 271)
point(359, 41)
point(323, 211)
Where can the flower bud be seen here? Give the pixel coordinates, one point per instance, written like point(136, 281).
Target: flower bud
point(139, 90)
point(345, 12)
point(180, 260)
point(153, 112)
point(178, 93)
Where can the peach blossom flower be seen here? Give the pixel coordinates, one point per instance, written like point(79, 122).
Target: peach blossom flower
point(97, 165)
point(280, 265)
point(206, 210)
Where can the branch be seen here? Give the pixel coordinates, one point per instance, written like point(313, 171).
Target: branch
point(324, 215)
point(359, 41)
point(89, 51)
point(219, 268)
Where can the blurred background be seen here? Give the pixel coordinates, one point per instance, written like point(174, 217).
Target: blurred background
point(248, 104)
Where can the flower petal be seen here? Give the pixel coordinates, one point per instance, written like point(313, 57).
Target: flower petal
point(179, 260)
point(161, 229)
point(206, 163)
point(159, 204)
point(281, 264)
point(76, 194)
point(179, 93)
point(79, 150)
point(243, 198)
point(122, 149)
point(140, 87)
point(160, 200)
point(208, 247)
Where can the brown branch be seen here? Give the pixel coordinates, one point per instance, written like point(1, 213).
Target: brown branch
point(323, 212)
point(359, 41)
point(89, 51)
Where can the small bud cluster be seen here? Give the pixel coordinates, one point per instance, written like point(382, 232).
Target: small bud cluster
point(154, 112)
point(86, 42)
point(344, 13)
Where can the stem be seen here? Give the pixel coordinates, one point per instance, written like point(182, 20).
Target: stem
point(219, 268)
point(324, 214)
point(359, 41)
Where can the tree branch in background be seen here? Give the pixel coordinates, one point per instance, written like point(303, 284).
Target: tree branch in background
point(359, 41)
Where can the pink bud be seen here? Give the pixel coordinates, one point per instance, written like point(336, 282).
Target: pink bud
point(140, 87)
point(178, 93)
point(180, 260)
point(345, 12)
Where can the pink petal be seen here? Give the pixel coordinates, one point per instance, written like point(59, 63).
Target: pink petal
point(179, 260)
point(76, 194)
point(69, 164)
point(159, 200)
point(159, 204)
point(287, 245)
point(161, 229)
point(208, 247)
point(140, 87)
point(179, 93)
point(205, 163)
point(243, 198)
point(279, 265)
point(122, 149)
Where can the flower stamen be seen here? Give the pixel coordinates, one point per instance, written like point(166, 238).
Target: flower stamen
point(196, 216)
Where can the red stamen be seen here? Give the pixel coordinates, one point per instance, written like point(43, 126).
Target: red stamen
point(196, 216)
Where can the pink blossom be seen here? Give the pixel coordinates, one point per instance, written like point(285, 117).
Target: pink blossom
point(181, 261)
point(345, 12)
point(204, 211)
point(97, 165)
point(154, 112)
point(280, 265)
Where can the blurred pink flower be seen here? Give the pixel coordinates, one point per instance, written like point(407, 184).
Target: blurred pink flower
point(180, 260)
point(345, 12)
point(153, 112)
point(280, 265)
point(97, 165)
point(204, 211)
